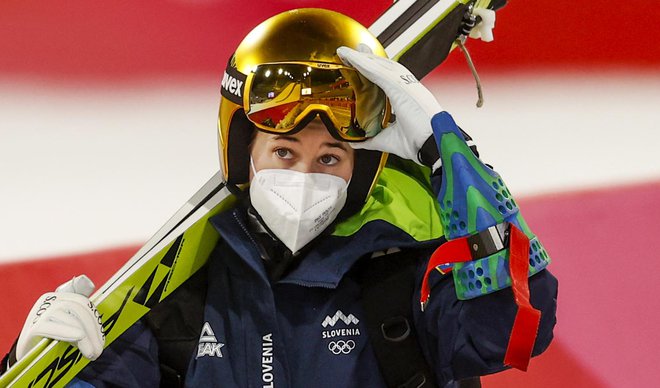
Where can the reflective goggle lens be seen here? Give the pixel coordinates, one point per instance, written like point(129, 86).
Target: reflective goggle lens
point(281, 95)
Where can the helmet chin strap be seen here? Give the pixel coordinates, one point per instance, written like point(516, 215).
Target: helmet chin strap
point(241, 194)
point(235, 190)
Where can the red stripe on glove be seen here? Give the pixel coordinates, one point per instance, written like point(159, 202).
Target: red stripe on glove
point(454, 251)
point(526, 324)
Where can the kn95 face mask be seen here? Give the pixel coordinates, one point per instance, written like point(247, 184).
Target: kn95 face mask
point(296, 206)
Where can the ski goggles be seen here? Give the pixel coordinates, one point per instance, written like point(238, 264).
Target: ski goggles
point(283, 97)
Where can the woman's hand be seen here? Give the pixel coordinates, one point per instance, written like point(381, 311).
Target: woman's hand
point(413, 104)
point(65, 315)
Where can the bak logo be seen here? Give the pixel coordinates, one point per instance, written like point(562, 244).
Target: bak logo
point(208, 344)
point(232, 85)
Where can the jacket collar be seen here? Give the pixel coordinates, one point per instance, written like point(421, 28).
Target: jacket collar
point(327, 260)
point(333, 256)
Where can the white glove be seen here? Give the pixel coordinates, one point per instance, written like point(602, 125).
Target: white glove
point(413, 104)
point(65, 315)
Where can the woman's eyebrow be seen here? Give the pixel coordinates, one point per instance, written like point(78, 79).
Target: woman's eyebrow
point(337, 144)
point(287, 138)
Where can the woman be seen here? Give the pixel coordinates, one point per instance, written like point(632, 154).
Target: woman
point(284, 300)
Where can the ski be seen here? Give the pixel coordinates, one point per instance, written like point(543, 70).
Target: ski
point(170, 257)
point(198, 199)
point(418, 33)
point(201, 197)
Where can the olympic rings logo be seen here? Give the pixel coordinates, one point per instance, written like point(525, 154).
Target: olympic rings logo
point(341, 346)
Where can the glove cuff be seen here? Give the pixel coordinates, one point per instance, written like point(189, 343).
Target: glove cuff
point(428, 154)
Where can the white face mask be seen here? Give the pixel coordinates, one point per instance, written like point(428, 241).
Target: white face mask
point(296, 206)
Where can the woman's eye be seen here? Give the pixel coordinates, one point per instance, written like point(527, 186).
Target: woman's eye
point(329, 160)
point(283, 153)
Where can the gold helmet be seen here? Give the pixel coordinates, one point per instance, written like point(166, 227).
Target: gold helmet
point(285, 73)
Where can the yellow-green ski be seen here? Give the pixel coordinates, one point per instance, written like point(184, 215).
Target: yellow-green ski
point(170, 259)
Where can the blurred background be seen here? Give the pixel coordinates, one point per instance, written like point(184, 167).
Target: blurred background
point(107, 126)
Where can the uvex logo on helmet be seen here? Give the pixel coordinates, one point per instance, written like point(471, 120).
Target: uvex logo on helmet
point(233, 83)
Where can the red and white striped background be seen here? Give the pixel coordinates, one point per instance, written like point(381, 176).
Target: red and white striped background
point(107, 125)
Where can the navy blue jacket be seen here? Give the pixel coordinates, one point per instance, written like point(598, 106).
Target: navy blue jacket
point(308, 328)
